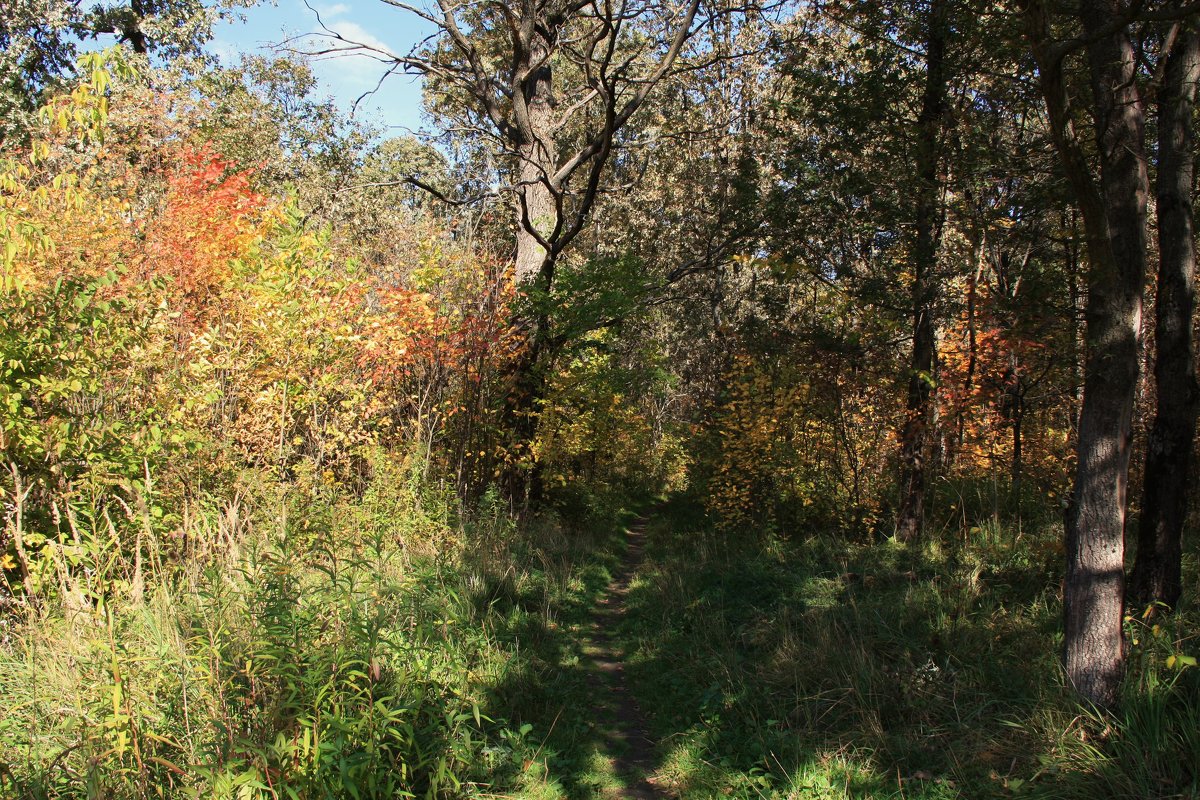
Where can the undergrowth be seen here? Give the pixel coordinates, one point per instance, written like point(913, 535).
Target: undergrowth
point(302, 643)
point(812, 666)
point(316, 646)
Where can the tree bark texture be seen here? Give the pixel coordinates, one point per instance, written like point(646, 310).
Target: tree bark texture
point(915, 438)
point(538, 221)
point(1156, 572)
point(533, 111)
point(1114, 218)
point(1093, 595)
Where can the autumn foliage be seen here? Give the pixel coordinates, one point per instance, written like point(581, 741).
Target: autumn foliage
point(167, 321)
point(209, 219)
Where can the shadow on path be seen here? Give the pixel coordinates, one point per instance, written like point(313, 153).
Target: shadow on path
point(624, 731)
point(566, 685)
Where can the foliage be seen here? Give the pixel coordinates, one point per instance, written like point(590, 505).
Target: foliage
point(174, 321)
point(301, 496)
point(307, 660)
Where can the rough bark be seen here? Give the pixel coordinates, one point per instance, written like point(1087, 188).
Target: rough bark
point(1156, 572)
point(1114, 216)
point(915, 438)
point(537, 214)
point(523, 479)
point(1094, 647)
point(537, 222)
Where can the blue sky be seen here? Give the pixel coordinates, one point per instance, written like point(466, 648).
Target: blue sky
point(397, 104)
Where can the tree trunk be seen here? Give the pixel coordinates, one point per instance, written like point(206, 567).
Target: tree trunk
point(1114, 217)
point(1093, 597)
point(915, 438)
point(537, 215)
point(1156, 572)
point(137, 15)
point(1094, 591)
point(537, 220)
point(523, 477)
point(1075, 303)
point(1017, 466)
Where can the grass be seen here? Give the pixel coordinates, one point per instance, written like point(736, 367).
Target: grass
point(813, 667)
point(315, 646)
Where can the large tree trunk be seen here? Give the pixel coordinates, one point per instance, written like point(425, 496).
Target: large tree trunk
point(1094, 592)
point(537, 221)
point(1093, 600)
point(1156, 573)
point(1114, 217)
point(915, 438)
point(537, 215)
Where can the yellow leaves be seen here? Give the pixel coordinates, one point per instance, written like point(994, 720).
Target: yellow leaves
point(83, 113)
point(57, 218)
point(39, 150)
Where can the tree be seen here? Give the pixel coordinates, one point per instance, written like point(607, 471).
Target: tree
point(37, 48)
point(1156, 572)
point(1113, 206)
point(508, 62)
point(501, 71)
point(39, 41)
point(928, 217)
point(165, 28)
point(888, 178)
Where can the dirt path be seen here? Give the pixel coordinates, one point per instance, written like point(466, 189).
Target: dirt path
point(632, 752)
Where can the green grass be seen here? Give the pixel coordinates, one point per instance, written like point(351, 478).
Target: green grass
point(558, 692)
point(392, 647)
point(813, 667)
point(313, 646)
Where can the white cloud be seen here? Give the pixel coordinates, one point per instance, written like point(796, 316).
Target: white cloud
point(349, 65)
point(335, 10)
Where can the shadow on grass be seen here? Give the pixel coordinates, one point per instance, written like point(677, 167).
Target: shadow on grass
point(553, 688)
point(823, 668)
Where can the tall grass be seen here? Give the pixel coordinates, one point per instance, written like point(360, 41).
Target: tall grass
point(310, 645)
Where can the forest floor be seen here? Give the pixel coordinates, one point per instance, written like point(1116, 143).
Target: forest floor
point(600, 655)
point(625, 731)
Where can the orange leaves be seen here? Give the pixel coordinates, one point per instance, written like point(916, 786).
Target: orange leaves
point(991, 365)
point(257, 337)
point(211, 218)
point(415, 344)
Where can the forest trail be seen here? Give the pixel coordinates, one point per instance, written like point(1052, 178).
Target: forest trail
point(632, 750)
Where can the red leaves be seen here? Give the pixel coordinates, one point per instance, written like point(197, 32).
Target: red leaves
point(414, 337)
point(209, 220)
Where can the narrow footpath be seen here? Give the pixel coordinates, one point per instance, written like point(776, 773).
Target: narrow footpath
point(632, 752)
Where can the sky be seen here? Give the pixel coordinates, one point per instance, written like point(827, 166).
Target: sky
point(343, 76)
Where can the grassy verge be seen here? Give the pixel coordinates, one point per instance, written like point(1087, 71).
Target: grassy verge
point(309, 646)
point(818, 667)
